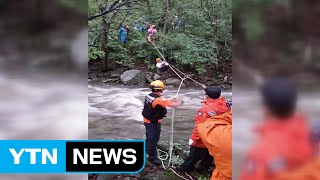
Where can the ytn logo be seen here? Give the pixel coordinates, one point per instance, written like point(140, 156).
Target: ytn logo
point(32, 152)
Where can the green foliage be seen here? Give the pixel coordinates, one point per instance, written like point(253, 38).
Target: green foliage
point(203, 178)
point(78, 5)
point(252, 25)
point(194, 44)
point(95, 53)
point(119, 53)
point(176, 160)
point(250, 14)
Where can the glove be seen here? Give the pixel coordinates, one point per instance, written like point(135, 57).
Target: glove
point(191, 142)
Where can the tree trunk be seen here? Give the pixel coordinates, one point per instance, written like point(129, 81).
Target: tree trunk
point(149, 6)
point(104, 43)
point(166, 16)
point(215, 16)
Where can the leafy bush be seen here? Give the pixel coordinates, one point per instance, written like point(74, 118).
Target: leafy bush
point(95, 53)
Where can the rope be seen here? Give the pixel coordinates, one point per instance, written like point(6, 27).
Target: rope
point(189, 176)
point(180, 175)
point(166, 61)
point(172, 123)
point(175, 70)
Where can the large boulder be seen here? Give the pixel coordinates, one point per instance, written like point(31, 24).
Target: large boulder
point(156, 77)
point(133, 77)
point(173, 82)
point(148, 77)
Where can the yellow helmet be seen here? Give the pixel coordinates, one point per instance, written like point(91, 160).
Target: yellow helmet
point(157, 85)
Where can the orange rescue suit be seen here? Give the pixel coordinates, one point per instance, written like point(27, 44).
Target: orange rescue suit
point(216, 134)
point(309, 171)
point(284, 144)
point(210, 108)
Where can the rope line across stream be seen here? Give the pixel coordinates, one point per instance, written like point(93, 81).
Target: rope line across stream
point(183, 77)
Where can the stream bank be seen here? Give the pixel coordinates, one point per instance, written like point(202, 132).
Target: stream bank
point(98, 76)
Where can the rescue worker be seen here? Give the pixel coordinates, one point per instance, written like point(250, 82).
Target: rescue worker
point(216, 134)
point(310, 170)
point(161, 65)
point(214, 104)
point(284, 141)
point(123, 34)
point(153, 112)
point(152, 34)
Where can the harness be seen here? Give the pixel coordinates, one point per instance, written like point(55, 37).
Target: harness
point(153, 113)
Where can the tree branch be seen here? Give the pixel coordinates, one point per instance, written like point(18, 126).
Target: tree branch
point(93, 43)
point(112, 7)
point(206, 12)
point(95, 38)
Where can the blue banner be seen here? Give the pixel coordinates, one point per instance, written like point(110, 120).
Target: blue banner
point(60, 156)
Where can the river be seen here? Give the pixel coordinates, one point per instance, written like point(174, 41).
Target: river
point(43, 106)
point(115, 113)
point(35, 106)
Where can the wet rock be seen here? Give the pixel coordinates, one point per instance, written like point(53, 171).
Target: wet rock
point(161, 175)
point(106, 176)
point(173, 81)
point(156, 77)
point(164, 146)
point(133, 77)
point(225, 79)
point(137, 175)
point(148, 78)
point(170, 87)
point(111, 80)
point(114, 75)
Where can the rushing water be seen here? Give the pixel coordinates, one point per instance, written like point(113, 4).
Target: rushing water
point(39, 106)
point(115, 113)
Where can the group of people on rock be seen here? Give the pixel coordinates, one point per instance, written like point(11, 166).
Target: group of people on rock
point(287, 148)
